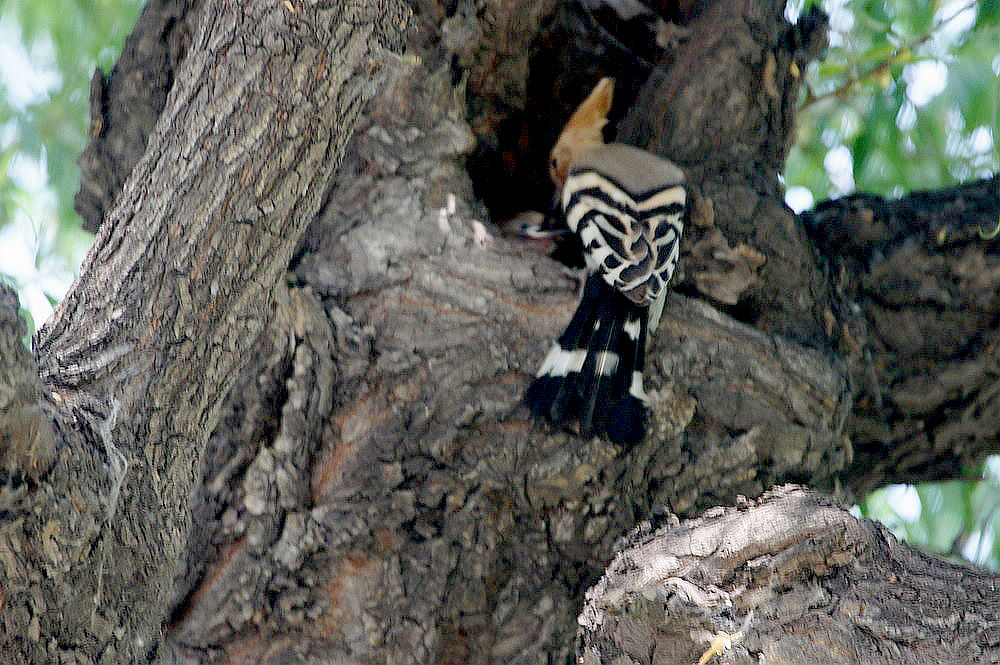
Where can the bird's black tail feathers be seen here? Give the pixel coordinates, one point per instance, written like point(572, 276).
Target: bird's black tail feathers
point(593, 374)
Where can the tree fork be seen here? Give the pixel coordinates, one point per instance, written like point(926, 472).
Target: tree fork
point(416, 513)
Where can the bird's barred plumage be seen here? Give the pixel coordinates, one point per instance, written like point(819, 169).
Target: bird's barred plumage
point(630, 239)
point(626, 206)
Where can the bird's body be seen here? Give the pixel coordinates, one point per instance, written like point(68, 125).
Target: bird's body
point(626, 207)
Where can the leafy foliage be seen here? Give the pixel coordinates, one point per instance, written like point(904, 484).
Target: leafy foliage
point(959, 519)
point(52, 49)
point(905, 99)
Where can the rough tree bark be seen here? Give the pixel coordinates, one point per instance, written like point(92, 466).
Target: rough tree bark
point(791, 578)
point(341, 423)
point(182, 279)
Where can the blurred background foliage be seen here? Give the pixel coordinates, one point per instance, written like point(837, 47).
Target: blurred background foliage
point(49, 50)
point(906, 98)
point(959, 520)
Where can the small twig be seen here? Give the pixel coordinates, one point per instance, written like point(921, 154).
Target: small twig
point(882, 68)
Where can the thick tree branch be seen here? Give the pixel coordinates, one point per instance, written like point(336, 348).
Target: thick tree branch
point(428, 474)
point(178, 286)
point(791, 578)
point(916, 320)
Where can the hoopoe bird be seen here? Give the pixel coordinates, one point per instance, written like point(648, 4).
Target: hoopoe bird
point(626, 208)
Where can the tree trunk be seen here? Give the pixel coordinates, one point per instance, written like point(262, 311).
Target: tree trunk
point(299, 331)
point(180, 283)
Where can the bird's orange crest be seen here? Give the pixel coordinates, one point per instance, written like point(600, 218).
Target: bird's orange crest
point(583, 130)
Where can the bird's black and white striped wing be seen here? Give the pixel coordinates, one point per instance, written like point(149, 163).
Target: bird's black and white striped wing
point(631, 238)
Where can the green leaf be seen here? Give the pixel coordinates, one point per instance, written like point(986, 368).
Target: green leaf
point(989, 14)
